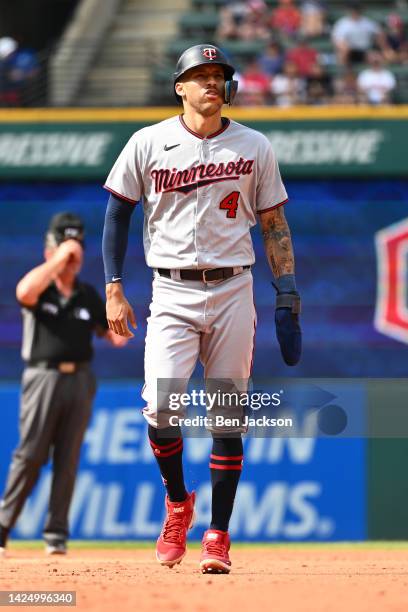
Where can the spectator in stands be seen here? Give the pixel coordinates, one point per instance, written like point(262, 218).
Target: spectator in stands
point(286, 18)
point(20, 70)
point(243, 21)
point(8, 46)
point(303, 56)
point(254, 25)
point(318, 86)
point(312, 18)
point(231, 18)
point(396, 41)
point(288, 88)
point(345, 88)
point(254, 85)
point(272, 59)
point(354, 35)
point(376, 83)
point(23, 72)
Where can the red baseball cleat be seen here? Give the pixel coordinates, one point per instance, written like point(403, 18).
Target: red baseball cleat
point(171, 544)
point(214, 553)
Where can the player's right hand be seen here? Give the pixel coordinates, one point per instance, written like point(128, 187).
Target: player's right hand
point(119, 311)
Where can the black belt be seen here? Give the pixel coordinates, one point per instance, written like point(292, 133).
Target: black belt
point(210, 274)
point(65, 367)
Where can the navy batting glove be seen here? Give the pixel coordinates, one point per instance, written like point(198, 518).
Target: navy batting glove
point(288, 307)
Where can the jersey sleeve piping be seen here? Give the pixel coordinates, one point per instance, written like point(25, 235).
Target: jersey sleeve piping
point(264, 210)
point(119, 195)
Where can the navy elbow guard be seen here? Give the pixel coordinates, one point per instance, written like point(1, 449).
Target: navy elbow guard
point(288, 308)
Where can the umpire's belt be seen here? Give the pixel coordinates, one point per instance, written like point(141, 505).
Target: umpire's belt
point(205, 276)
point(65, 367)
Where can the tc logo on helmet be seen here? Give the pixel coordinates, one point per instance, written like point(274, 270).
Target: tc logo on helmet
point(391, 316)
point(210, 53)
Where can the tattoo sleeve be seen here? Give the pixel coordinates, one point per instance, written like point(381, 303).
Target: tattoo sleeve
point(278, 242)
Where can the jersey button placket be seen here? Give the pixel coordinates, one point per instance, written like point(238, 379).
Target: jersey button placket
point(202, 246)
point(209, 311)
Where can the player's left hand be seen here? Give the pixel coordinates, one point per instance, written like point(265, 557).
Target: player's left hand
point(288, 330)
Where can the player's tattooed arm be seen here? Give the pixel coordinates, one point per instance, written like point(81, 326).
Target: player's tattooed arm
point(278, 242)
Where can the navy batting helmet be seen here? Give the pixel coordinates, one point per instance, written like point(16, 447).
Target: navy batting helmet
point(207, 54)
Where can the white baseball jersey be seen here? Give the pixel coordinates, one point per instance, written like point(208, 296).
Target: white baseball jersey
point(200, 195)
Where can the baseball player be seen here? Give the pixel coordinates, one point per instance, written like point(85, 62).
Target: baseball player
point(60, 315)
point(203, 181)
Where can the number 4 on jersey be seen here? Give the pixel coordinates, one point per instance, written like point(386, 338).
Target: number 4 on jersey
point(230, 203)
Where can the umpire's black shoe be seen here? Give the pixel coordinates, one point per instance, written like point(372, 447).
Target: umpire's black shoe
point(56, 547)
point(3, 540)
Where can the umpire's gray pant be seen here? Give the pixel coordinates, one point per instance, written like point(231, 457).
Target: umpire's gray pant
point(54, 412)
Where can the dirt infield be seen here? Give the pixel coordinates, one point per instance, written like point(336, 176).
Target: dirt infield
point(330, 579)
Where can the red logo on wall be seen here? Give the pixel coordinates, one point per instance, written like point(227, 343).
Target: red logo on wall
point(391, 315)
point(210, 53)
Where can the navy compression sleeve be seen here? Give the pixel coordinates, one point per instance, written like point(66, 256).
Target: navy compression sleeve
point(115, 237)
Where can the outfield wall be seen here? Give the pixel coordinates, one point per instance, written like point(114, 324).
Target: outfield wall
point(290, 490)
point(83, 144)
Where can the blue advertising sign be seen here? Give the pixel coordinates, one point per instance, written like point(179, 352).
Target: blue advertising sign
point(291, 489)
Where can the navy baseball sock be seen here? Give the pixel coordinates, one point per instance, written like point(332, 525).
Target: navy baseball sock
point(4, 532)
point(169, 456)
point(226, 466)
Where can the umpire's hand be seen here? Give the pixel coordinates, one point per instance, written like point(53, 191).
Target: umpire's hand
point(119, 311)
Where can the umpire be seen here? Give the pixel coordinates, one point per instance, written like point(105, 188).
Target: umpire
point(60, 314)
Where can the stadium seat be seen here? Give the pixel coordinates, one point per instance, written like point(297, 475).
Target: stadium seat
point(196, 24)
point(176, 47)
point(205, 5)
point(378, 14)
point(243, 50)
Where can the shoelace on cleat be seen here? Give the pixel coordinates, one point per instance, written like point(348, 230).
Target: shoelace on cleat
point(174, 528)
point(215, 547)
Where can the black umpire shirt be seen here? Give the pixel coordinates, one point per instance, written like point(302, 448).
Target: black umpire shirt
point(60, 329)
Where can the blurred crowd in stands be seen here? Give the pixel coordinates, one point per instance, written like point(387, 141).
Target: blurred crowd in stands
point(308, 57)
point(355, 67)
point(19, 74)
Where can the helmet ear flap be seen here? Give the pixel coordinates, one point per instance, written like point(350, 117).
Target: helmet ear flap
point(231, 88)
